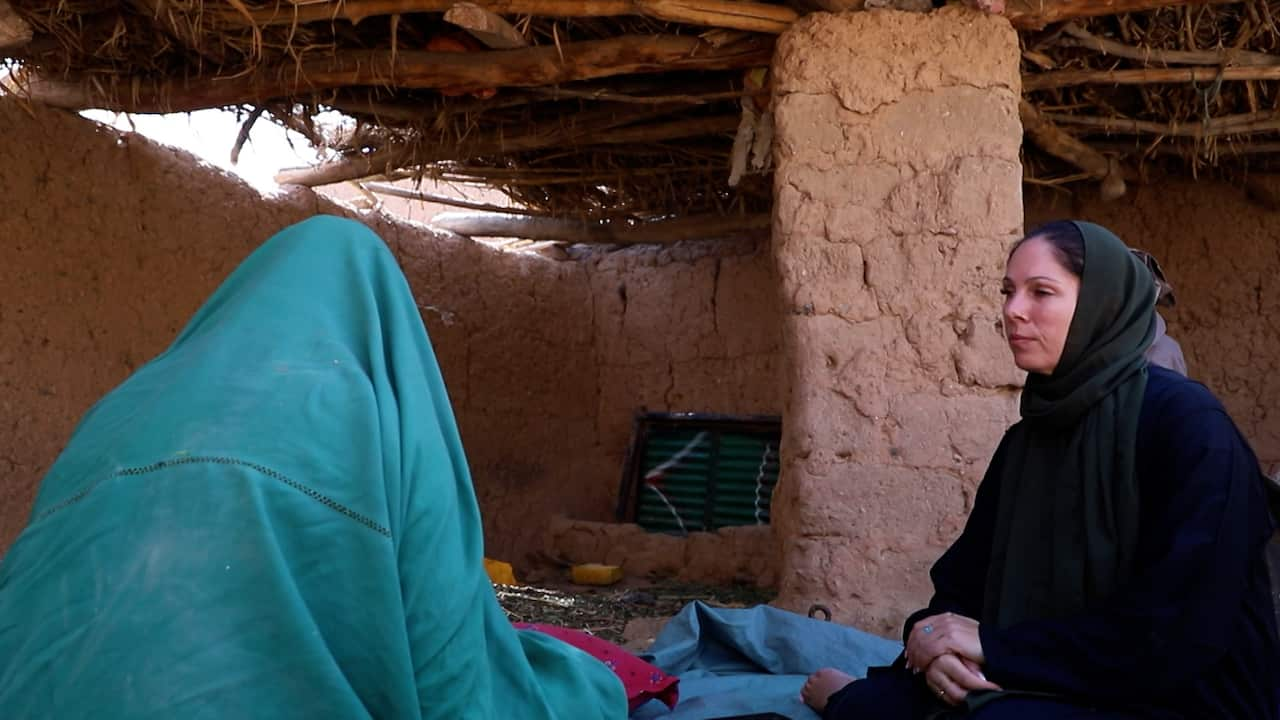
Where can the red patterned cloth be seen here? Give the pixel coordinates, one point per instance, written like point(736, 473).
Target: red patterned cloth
point(642, 681)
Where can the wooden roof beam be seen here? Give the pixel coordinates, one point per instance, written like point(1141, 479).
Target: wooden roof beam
point(387, 159)
point(485, 26)
point(1064, 146)
point(661, 232)
point(1146, 76)
point(1079, 37)
point(1053, 140)
point(525, 67)
point(1036, 14)
point(732, 14)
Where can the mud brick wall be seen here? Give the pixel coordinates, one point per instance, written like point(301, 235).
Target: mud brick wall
point(109, 242)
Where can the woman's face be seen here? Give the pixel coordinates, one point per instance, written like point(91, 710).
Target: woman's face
point(1039, 302)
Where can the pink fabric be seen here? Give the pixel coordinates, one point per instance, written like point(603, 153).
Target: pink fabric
point(642, 681)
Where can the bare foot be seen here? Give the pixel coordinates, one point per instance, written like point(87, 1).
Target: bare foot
point(821, 685)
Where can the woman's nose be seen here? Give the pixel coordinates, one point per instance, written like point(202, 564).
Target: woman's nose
point(1015, 308)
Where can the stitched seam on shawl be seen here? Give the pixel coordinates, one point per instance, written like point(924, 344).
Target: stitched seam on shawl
point(273, 474)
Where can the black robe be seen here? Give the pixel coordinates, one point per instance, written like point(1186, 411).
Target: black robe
point(1191, 636)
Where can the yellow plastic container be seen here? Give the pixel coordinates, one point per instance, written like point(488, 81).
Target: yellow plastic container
point(500, 572)
point(596, 574)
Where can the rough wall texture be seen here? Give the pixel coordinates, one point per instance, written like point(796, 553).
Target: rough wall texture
point(733, 555)
point(898, 188)
point(1221, 253)
point(109, 243)
point(548, 361)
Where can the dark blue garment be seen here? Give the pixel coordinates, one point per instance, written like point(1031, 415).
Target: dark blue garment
point(894, 694)
point(1192, 635)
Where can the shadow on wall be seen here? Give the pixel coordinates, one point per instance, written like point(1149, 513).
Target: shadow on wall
point(545, 361)
point(560, 355)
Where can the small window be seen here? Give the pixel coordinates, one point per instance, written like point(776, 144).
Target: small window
point(688, 472)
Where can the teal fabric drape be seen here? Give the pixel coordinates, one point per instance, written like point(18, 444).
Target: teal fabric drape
point(274, 518)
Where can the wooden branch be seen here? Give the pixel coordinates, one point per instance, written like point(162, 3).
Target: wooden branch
point(371, 201)
point(15, 33)
point(528, 67)
point(1036, 14)
point(178, 26)
point(242, 137)
point(639, 134)
point(735, 14)
point(1188, 150)
point(662, 232)
point(301, 123)
point(1079, 37)
point(1243, 124)
point(359, 101)
point(1070, 78)
point(383, 188)
point(1060, 144)
point(1185, 150)
point(362, 101)
point(558, 93)
point(385, 160)
point(553, 133)
point(638, 90)
point(732, 14)
point(485, 26)
point(350, 167)
point(530, 178)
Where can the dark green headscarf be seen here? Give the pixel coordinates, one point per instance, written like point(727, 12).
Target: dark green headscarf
point(1067, 522)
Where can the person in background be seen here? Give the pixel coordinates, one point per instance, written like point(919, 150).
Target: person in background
point(1164, 350)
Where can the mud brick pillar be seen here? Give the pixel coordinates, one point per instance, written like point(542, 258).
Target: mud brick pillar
point(897, 194)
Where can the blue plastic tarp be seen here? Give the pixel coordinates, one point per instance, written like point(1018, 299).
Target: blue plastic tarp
point(754, 660)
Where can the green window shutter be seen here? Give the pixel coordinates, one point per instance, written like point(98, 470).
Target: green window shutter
point(692, 473)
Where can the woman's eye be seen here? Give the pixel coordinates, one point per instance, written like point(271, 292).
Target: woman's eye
point(1044, 293)
point(1006, 291)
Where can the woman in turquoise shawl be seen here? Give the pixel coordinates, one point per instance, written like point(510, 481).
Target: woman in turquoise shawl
point(274, 518)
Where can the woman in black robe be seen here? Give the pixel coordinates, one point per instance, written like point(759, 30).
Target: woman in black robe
point(1113, 566)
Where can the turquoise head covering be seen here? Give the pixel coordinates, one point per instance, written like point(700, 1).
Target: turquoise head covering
point(1067, 520)
point(274, 518)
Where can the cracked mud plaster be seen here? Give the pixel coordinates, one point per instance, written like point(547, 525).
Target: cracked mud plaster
point(110, 242)
point(898, 188)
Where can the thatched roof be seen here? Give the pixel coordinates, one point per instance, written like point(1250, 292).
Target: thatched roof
point(628, 110)
point(1188, 89)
